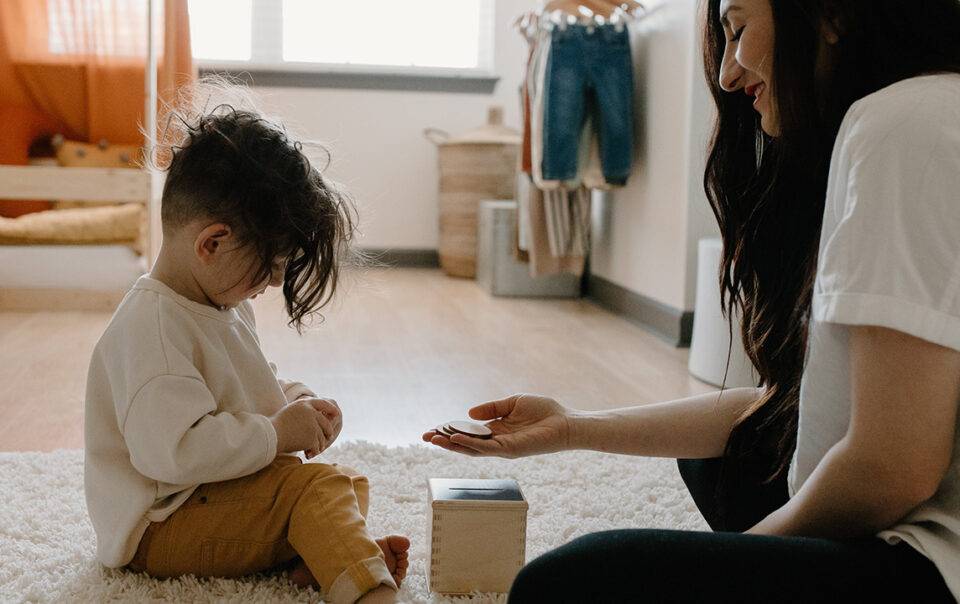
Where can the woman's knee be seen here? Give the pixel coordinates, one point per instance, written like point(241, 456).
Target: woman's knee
point(559, 575)
point(534, 581)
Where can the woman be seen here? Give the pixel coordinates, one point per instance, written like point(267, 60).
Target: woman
point(834, 174)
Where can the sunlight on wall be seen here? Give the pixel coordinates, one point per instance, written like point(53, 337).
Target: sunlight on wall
point(417, 33)
point(424, 33)
point(220, 29)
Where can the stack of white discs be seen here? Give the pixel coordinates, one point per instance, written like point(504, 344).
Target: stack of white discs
point(461, 427)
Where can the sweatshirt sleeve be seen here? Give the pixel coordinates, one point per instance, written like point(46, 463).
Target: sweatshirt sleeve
point(175, 434)
point(292, 389)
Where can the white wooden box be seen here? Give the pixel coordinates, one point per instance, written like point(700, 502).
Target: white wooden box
point(477, 534)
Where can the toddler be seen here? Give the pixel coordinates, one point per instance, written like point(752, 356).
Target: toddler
point(191, 437)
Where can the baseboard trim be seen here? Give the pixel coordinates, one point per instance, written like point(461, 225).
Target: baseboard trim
point(673, 325)
point(403, 257)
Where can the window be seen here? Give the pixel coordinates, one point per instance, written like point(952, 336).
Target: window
point(220, 29)
point(114, 29)
point(415, 37)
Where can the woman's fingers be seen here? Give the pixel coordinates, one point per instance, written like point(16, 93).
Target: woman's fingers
point(445, 443)
point(482, 446)
point(461, 443)
point(494, 409)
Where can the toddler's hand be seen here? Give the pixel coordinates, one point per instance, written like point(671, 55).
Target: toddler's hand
point(301, 426)
point(331, 412)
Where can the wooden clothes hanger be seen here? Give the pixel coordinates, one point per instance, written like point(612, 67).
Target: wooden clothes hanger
point(624, 9)
point(581, 8)
point(605, 10)
point(527, 24)
point(629, 6)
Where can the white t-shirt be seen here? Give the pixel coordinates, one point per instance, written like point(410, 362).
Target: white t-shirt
point(890, 257)
point(178, 395)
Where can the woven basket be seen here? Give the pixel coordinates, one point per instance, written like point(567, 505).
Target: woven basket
point(478, 165)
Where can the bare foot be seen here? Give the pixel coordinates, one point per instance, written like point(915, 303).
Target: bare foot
point(395, 554)
point(379, 595)
point(301, 576)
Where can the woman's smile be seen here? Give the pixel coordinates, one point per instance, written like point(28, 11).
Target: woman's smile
point(759, 93)
point(748, 56)
point(756, 91)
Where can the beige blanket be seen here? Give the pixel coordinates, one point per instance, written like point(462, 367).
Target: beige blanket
point(120, 224)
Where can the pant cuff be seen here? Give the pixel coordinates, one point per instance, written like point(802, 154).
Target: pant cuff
point(358, 579)
point(617, 181)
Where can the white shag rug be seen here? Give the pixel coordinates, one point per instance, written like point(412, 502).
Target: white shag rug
point(47, 543)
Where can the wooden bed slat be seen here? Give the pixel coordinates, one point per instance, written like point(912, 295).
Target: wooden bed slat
point(74, 184)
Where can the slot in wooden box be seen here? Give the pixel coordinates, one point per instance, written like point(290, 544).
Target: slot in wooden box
point(477, 534)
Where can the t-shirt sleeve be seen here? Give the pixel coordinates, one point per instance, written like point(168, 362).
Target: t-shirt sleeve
point(176, 435)
point(890, 247)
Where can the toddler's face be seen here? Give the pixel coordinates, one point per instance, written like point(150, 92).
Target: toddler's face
point(237, 281)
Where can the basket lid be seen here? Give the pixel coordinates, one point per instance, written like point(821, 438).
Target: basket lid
point(492, 132)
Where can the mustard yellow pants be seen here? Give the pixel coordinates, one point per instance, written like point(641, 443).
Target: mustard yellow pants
point(261, 521)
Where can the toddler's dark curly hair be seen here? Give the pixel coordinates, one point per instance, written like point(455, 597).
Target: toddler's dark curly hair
point(235, 166)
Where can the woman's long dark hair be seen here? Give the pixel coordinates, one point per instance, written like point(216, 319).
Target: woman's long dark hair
point(767, 193)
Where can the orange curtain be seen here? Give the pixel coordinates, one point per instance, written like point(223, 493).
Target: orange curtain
point(79, 64)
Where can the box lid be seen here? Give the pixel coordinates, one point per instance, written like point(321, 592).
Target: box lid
point(477, 491)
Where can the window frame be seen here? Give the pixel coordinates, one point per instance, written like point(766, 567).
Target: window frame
point(267, 67)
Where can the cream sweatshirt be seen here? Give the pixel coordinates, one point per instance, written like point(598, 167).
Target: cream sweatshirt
point(178, 394)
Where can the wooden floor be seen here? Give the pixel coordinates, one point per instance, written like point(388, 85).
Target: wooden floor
point(402, 350)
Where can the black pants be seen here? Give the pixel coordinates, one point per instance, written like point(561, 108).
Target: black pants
point(648, 565)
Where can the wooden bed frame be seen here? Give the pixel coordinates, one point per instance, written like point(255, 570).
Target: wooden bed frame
point(76, 184)
point(85, 184)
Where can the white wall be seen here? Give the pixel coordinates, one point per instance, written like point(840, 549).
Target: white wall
point(376, 137)
point(645, 236)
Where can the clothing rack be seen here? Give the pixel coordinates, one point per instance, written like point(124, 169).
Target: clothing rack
point(562, 13)
point(553, 216)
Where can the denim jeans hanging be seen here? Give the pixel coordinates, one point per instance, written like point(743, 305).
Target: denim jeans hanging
point(589, 69)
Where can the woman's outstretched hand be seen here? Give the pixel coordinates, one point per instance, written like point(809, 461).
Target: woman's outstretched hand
point(522, 425)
